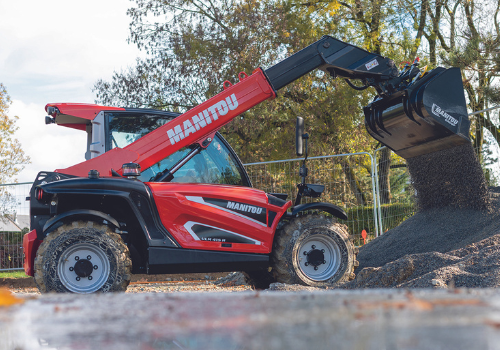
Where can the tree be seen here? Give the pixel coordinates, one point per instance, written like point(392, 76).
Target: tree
point(465, 34)
point(475, 48)
point(194, 46)
point(12, 157)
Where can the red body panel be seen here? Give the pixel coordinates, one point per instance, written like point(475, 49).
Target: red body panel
point(191, 127)
point(183, 205)
point(81, 110)
point(30, 246)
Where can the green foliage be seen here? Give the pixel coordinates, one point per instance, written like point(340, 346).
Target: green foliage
point(194, 46)
point(12, 157)
point(13, 274)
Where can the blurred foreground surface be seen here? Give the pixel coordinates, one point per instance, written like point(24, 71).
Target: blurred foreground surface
point(333, 319)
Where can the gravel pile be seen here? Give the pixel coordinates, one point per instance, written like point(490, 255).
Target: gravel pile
point(451, 241)
point(476, 265)
point(438, 230)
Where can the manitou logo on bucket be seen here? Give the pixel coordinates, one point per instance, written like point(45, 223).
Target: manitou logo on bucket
point(440, 113)
point(201, 120)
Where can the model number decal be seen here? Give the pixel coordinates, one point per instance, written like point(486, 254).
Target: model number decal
point(209, 233)
point(210, 239)
point(372, 64)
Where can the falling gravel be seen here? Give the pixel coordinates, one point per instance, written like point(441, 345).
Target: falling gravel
point(453, 238)
point(449, 178)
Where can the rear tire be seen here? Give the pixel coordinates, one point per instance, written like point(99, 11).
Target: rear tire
point(314, 251)
point(82, 257)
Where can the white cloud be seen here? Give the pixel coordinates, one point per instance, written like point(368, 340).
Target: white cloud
point(54, 51)
point(49, 146)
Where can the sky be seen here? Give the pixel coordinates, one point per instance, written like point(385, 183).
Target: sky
point(54, 51)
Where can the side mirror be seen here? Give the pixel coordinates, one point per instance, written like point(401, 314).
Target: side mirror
point(299, 131)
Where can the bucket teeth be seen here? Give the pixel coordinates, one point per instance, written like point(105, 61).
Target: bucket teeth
point(370, 122)
point(407, 107)
point(379, 120)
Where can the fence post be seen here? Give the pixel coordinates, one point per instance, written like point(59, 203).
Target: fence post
point(378, 204)
point(374, 193)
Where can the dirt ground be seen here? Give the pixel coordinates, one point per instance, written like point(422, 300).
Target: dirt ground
point(150, 283)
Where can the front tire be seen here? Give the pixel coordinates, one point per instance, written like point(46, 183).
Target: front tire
point(314, 251)
point(83, 257)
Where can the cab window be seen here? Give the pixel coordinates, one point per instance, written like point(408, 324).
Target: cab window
point(215, 165)
point(125, 128)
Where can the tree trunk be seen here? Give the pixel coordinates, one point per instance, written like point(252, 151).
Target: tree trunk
point(353, 182)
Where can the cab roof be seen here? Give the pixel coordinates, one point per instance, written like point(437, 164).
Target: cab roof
point(79, 115)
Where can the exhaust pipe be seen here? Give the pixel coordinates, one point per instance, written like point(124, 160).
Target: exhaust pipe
point(428, 116)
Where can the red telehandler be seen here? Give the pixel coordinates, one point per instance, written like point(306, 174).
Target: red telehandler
point(165, 193)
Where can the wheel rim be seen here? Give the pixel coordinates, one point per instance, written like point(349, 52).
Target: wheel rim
point(319, 257)
point(83, 268)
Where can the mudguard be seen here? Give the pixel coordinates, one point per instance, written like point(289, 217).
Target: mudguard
point(56, 221)
point(326, 207)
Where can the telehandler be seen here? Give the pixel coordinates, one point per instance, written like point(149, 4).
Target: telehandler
point(165, 193)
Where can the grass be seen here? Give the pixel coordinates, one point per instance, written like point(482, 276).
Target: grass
point(13, 274)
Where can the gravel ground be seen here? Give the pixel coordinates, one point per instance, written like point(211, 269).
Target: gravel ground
point(214, 282)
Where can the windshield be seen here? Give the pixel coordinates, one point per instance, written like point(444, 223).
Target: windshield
point(215, 165)
point(125, 128)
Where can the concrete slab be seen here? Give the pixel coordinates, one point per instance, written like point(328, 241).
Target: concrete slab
point(360, 319)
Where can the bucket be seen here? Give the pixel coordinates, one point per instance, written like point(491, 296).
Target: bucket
point(428, 116)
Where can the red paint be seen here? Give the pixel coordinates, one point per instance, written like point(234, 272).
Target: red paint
point(30, 246)
point(81, 110)
point(176, 210)
point(85, 111)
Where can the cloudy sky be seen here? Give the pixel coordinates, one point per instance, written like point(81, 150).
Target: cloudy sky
point(54, 51)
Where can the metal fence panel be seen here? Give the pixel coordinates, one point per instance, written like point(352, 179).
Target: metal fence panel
point(11, 250)
point(395, 194)
point(13, 198)
point(14, 222)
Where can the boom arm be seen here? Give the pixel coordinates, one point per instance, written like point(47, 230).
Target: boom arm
point(200, 123)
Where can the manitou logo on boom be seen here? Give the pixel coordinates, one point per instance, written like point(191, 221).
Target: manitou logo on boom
point(201, 120)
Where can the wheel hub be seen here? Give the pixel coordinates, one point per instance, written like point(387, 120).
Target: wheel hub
point(83, 268)
point(319, 257)
point(315, 257)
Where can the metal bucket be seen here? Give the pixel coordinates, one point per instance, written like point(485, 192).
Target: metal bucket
point(428, 116)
